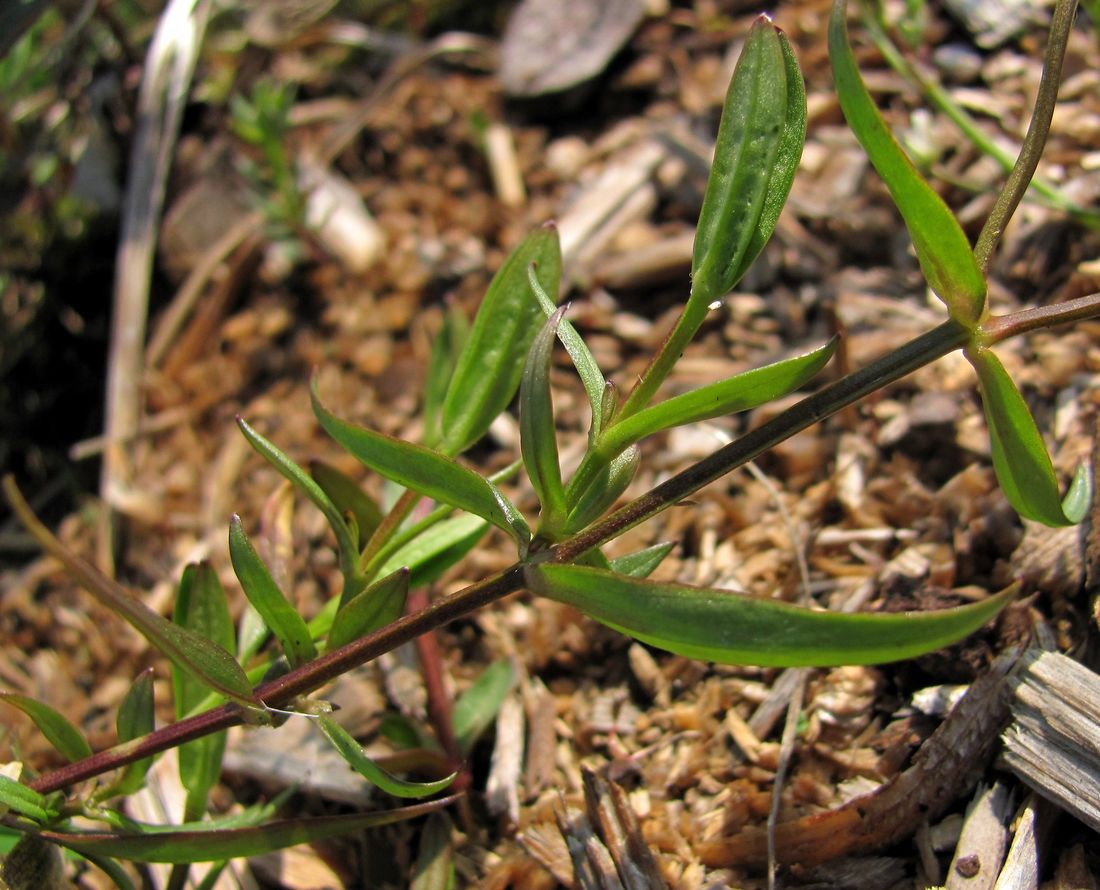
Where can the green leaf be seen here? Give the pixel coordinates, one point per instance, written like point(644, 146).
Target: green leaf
point(25, 801)
point(301, 480)
point(942, 248)
point(609, 482)
point(488, 370)
point(435, 867)
point(1020, 459)
point(351, 751)
point(427, 472)
point(583, 360)
point(262, 591)
point(731, 628)
point(445, 354)
point(436, 549)
point(477, 707)
point(756, 154)
point(537, 433)
point(213, 846)
point(136, 718)
point(208, 662)
point(201, 608)
point(738, 393)
point(348, 498)
point(643, 563)
point(58, 731)
point(380, 604)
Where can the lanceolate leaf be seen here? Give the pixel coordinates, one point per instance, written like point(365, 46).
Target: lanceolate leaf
point(583, 360)
point(23, 800)
point(351, 751)
point(58, 731)
point(477, 707)
point(1020, 459)
point(212, 846)
point(749, 171)
point(201, 608)
point(488, 370)
point(436, 549)
point(348, 498)
point(378, 605)
point(730, 628)
point(445, 352)
point(537, 433)
point(301, 480)
point(135, 718)
point(738, 393)
point(428, 472)
point(942, 248)
point(208, 662)
point(643, 563)
point(262, 591)
point(604, 489)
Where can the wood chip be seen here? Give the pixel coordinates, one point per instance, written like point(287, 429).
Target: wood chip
point(981, 846)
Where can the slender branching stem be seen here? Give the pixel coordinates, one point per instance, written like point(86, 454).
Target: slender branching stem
point(1001, 327)
point(1035, 140)
point(310, 677)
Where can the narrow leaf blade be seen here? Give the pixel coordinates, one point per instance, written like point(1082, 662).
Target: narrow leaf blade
point(942, 248)
point(205, 660)
point(477, 707)
point(729, 628)
point(213, 846)
point(425, 471)
point(23, 800)
point(136, 717)
point(262, 591)
point(738, 393)
point(753, 125)
point(537, 434)
point(1020, 459)
point(351, 751)
point(643, 563)
point(380, 604)
point(57, 729)
point(488, 371)
point(347, 497)
point(591, 377)
point(301, 480)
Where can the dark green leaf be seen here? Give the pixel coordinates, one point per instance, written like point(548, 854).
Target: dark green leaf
point(348, 498)
point(262, 591)
point(202, 608)
point(25, 801)
point(351, 751)
point(583, 360)
point(610, 482)
point(212, 846)
point(301, 480)
point(738, 393)
point(58, 731)
point(436, 549)
point(445, 353)
point(435, 868)
point(380, 604)
point(427, 472)
point(208, 662)
point(477, 707)
point(731, 628)
point(537, 433)
point(643, 563)
point(488, 371)
point(758, 147)
point(1024, 469)
point(942, 248)
point(136, 718)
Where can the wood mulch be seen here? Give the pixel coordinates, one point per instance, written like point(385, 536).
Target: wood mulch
point(606, 748)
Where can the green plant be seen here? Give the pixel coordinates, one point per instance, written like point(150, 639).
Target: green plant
point(223, 679)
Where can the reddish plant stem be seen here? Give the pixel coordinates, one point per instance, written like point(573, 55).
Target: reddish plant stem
point(1001, 327)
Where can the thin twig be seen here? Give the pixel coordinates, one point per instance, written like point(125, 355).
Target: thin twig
point(1060, 24)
